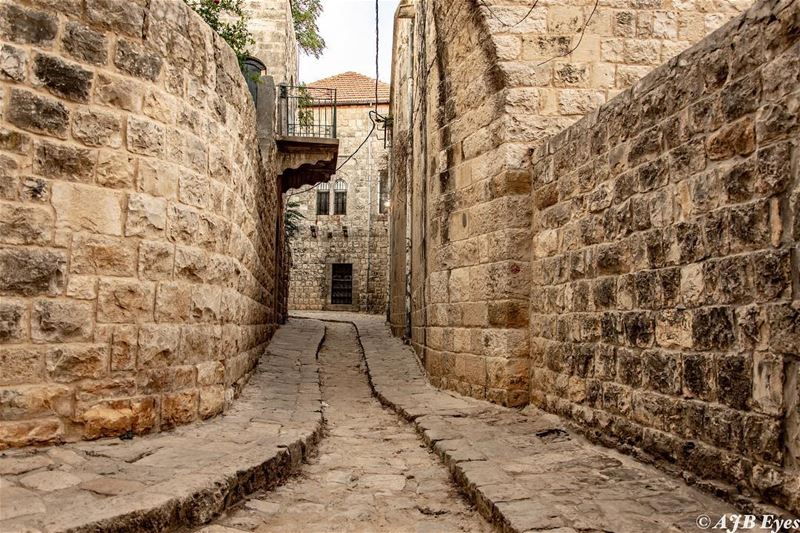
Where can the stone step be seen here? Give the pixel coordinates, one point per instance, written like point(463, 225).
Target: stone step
point(181, 478)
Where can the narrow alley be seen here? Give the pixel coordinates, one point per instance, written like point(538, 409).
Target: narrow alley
point(371, 473)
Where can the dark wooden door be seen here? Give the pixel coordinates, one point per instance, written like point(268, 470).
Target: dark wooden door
point(342, 284)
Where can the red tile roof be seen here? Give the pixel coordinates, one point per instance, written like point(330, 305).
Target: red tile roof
point(354, 88)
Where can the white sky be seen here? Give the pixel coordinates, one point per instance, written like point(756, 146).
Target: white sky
point(348, 27)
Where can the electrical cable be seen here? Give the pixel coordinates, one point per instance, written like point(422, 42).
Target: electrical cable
point(505, 24)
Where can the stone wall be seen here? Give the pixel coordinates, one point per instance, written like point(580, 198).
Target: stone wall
point(139, 269)
point(365, 243)
point(664, 296)
point(473, 88)
point(270, 23)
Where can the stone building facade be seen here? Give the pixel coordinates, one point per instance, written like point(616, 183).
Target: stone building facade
point(142, 264)
point(329, 247)
point(636, 271)
point(270, 22)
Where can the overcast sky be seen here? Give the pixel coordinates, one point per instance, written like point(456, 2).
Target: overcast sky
point(348, 27)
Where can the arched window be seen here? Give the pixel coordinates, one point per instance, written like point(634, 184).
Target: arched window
point(323, 199)
point(340, 198)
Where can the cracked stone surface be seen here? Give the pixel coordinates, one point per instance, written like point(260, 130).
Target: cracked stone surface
point(176, 478)
point(526, 471)
point(372, 472)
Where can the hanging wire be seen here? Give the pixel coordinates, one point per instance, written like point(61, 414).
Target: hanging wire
point(501, 21)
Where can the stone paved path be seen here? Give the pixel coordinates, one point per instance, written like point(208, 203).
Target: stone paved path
point(526, 471)
point(180, 477)
point(372, 473)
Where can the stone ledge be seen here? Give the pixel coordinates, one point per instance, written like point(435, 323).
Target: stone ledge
point(527, 470)
point(181, 478)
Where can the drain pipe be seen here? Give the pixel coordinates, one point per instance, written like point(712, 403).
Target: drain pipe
point(369, 220)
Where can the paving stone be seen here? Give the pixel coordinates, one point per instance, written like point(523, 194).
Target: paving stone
point(181, 478)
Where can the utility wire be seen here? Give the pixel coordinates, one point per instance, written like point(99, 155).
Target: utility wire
point(501, 21)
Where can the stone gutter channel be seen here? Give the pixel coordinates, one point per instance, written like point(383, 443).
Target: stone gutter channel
point(528, 470)
point(185, 477)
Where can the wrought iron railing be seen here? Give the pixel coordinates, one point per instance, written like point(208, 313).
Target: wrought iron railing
point(307, 111)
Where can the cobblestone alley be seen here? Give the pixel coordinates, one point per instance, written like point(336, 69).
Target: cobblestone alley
point(372, 471)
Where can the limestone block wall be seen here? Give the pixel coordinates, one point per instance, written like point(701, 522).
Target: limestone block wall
point(139, 269)
point(270, 23)
point(366, 237)
point(665, 310)
point(474, 84)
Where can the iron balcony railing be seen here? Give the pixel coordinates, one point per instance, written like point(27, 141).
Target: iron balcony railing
point(307, 111)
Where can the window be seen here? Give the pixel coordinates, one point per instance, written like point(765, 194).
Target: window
point(340, 198)
point(383, 195)
point(323, 199)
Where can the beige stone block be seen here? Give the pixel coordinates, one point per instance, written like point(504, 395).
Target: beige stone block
point(565, 20)
point(71, 362)
point(123, 93)
point(642, 51)
point(173, 302)
point(200, 343)
point(145, 137)
point(30, 432)
point(82, 287)
point(82, 207)
point(125, 301)
point(14, 320)
point(160, 106)
point(579, 102)
point(95, 127)
point(29, 401)
point(156, 260)
point(25, 224)
point(206, 303)
point(692, 284)
point(90, 391)
point(768, 380)
point(194, 190)
point(179, 408)
point(509, 47)
point(212, 401)
point(147, 215)
point(20, 364)
point(145, 414)
point(159, 346)
point(158, 178)
point(674, 329)
point(124, 347)
point(116, 170)
point(107, 419)
point(211, 372)
point(105, 256)
point(62, 321)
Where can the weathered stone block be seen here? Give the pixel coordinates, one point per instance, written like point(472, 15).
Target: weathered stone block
point(31, 432)
point(27, 26)
point(99, 255)
point(62, 321)
point(14, 141)
point(147, 215)
point(107, 419)
point(159, 346)
point(32, 271)
point(145, 137)
point(734, 380)
point(124, 344)
point(179, 408)
point(13, 63)
point(21, 224)
point(210, 373)
point(156, 260)
point(72, 362)
point(81, 207)
point(768, 380)
point(123, 93)
point(211, 401)
point(63, 161)
point(85, 44)
point(115, 170)
point(136, 61)
point(26, 401)
point(97, 128)
point(738, 138)
point(67, 80)
point(38, 114)
point(200, 343)
point(125, 301)
point(14, 318)
point(158, 178)
point(116, 15)
point(173, 302)
point(21, 365)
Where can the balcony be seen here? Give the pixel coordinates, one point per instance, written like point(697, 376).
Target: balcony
point(306, 135)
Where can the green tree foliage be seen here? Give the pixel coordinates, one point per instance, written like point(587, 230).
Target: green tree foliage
point(305, 14)
point(229, 20)
point(291, 218)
